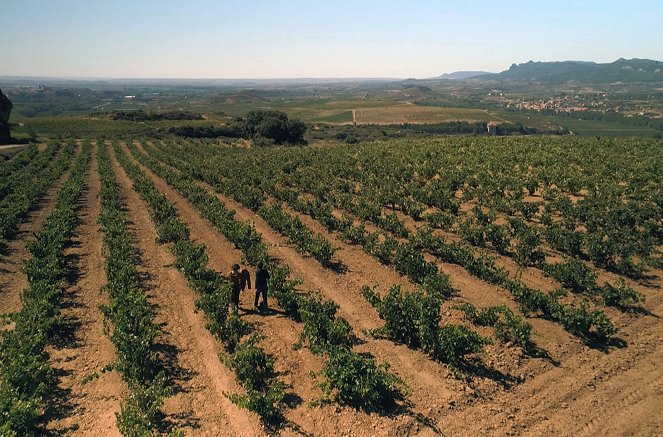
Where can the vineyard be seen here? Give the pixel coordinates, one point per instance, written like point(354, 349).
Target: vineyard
point(457, 286)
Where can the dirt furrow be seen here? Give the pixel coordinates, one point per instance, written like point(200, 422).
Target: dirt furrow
point(12, 279)
point(431, 382)
point(432, 387)
point(294, 366)
point(467, 288)
point(187, 350)
point(632, 395)
point(91, 396)
point(586, 394)
point(613, 389)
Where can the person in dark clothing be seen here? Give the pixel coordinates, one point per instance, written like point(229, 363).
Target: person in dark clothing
point(262, 279)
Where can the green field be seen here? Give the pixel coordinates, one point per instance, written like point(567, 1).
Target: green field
point(578, 127)
point(86, 111)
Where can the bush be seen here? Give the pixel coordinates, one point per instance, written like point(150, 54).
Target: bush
point(268, 404)
point(441, 220)
point(454, 342)
point(274, 125)
point(233, 330)
point(283, 290)
point(255, 371)
point(620, 294)
point(323, 329)
point(509, 327)
point(371, 296)
point(574, 274)
point(401, 312)
point(253, 367)
point(413, 318)
point(357, 381)
point(527, 249)
point(215, 307)
point(138, 413)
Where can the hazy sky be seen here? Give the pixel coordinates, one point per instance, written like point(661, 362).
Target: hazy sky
point(296, 38)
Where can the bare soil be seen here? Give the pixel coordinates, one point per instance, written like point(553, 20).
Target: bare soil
point(12, 279)
point(187, 351)
point(579, 391)
point(614, 390)
point(295, 366)
point(89, 396)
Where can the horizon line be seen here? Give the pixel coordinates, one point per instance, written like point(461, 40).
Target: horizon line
point(88, 78)
point(289, 78)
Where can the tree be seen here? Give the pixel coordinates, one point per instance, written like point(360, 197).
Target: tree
point(274, 125)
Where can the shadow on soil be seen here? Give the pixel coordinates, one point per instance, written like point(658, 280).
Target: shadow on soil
point(605, 345)
point(167, 362)
point(288, 424)
point(60, 406)
point(476, 368)
point(337, 267)
point(637, 310)
point(65, 334)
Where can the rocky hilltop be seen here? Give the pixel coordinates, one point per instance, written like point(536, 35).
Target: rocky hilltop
point(5, 109)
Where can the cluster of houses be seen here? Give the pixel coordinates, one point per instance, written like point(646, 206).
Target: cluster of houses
point(555, 104)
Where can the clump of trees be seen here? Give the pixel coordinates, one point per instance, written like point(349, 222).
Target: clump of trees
point(227, 131)
point(264, 127)
point(274, 125)
point(141, 115)
point(479, 128)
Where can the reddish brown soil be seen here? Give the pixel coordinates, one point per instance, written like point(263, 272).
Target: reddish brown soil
point(91, 396)
point(187, 350)
point(579, 391)
point(12, 279)
point(590, 393)
point(297, 365)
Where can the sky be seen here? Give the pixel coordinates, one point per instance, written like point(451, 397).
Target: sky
point(321, 39)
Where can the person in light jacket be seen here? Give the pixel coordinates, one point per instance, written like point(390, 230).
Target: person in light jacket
point(239, 281)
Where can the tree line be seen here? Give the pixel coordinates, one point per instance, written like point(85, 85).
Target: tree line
point(264, 127)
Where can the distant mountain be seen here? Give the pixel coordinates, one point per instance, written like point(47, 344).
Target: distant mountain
point(458, 75)
point(622, 70)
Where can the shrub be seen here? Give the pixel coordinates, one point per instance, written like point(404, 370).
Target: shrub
point(620, 294)
point(323, 329)
point(401, 312)
point(454, 342)
point(255, 371)
point(283, 290)
point(509, 327)
point(440, 220)
point(253, 367)
point(371, 296)
point(357, 381)
point(574, 274)
point(139, 412)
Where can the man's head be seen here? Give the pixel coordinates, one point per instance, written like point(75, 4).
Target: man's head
point(260, 264)
point(235, 267)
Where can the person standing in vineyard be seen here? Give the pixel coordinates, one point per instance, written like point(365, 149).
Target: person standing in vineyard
point(262, 279)
point(239, 281)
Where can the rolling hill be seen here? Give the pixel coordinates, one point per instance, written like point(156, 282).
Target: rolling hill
point(622, 70)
